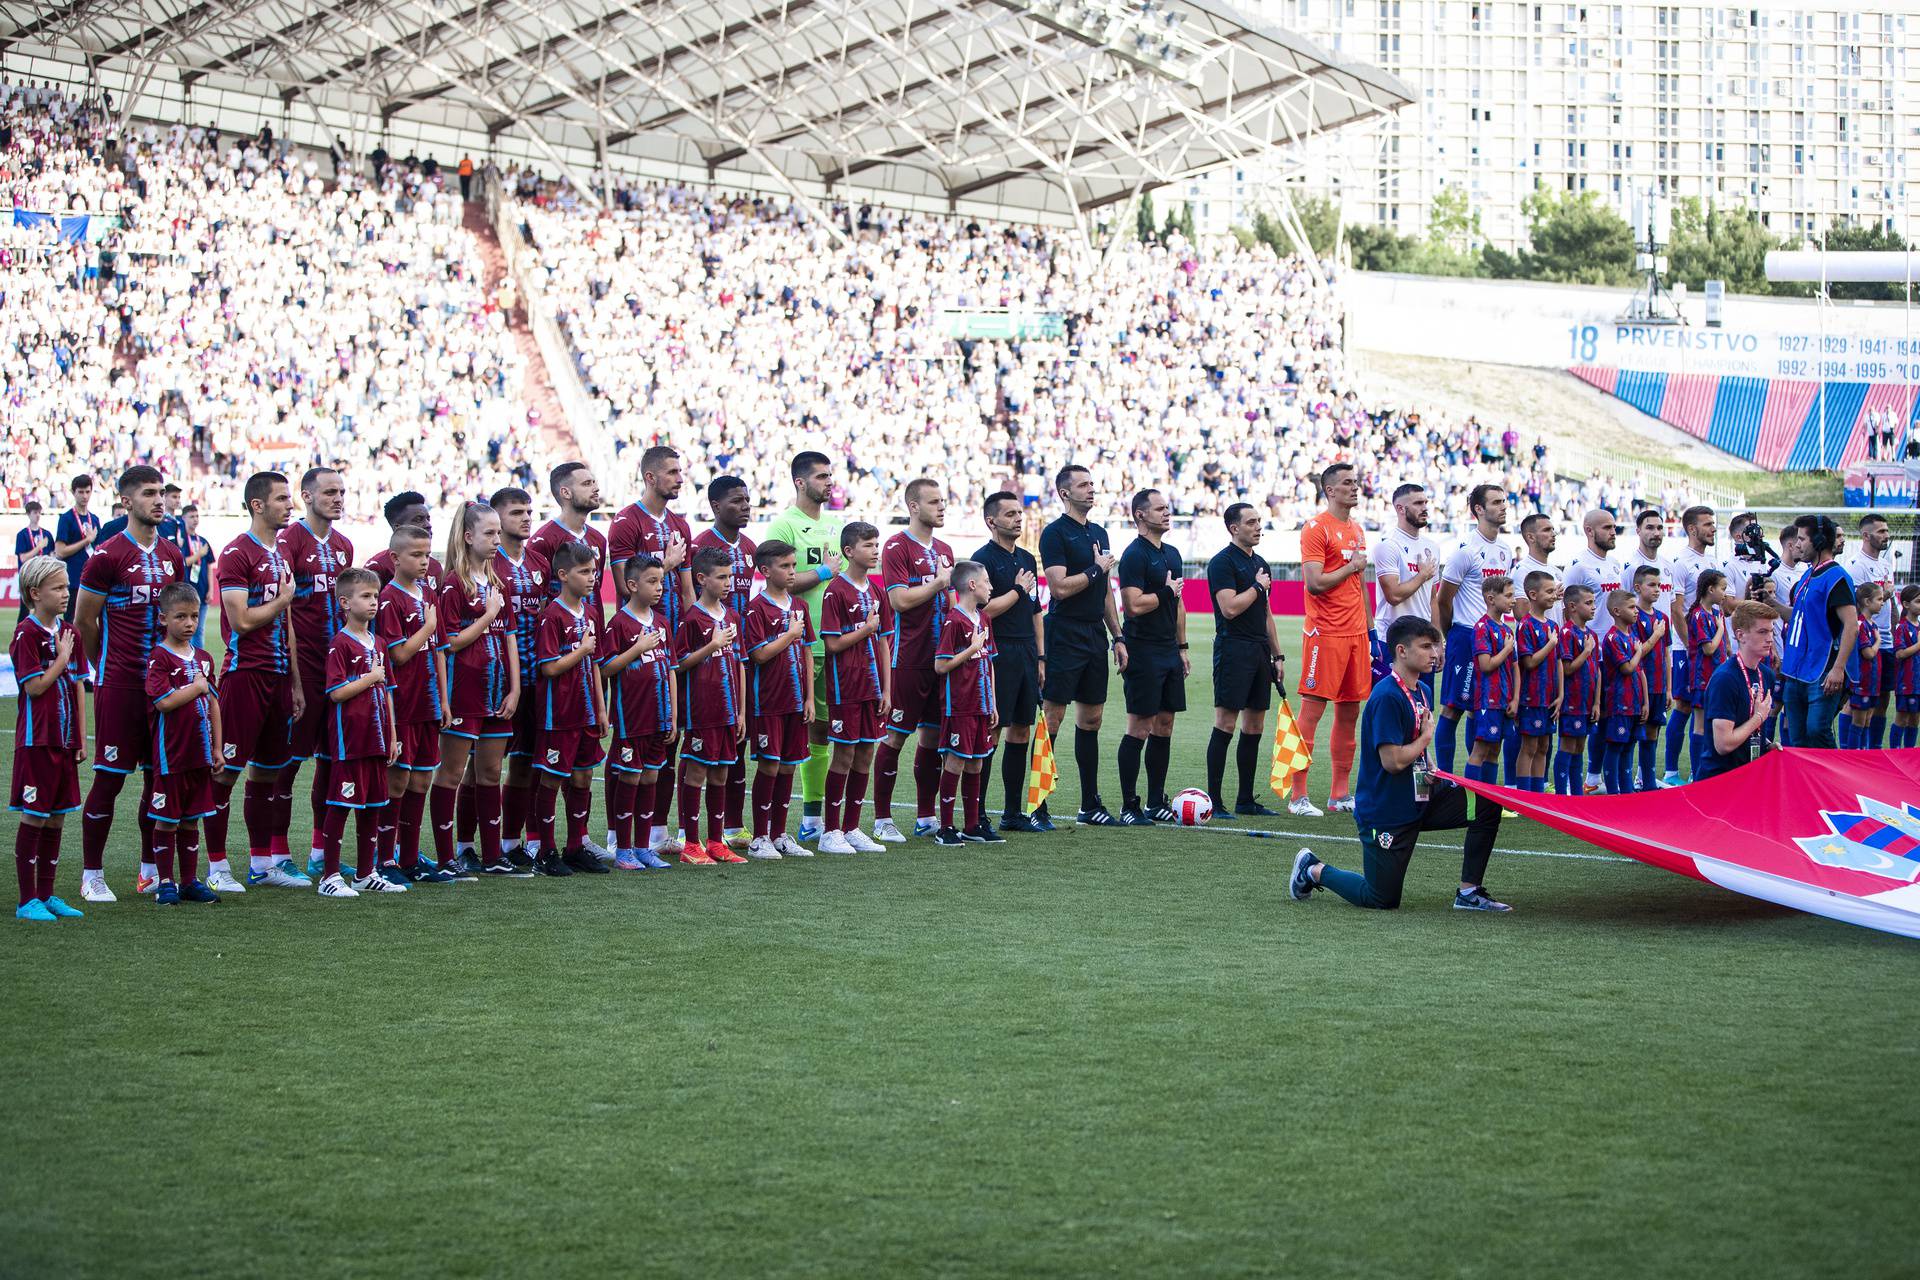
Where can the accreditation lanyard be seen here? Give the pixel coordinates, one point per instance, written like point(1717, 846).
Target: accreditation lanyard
point(1422, 768)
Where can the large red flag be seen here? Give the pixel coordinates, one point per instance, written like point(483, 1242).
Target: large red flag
point(1836, 833)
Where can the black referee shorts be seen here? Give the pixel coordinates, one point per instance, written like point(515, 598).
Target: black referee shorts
point(1242, 675)
point(1016, 684)
point(1153, 682)
point(1076, 663)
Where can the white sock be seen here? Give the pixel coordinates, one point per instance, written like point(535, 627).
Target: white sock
point(91, 876)
point(260, 862)
point(218, 866)
point(149, 870)
point(462, 849)
point(508, 846)
point(316, 852)
point(656, 834)
point(612, 841)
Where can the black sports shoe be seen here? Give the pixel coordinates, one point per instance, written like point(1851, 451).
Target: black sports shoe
point(1254, 809)
point(503, 870)
point(519, 857)
point(550, 863)
point(1131, 815)
point(949, 838)
point(1222, 811)
point(1161, 810)
point(982, 832)
point(1095, 817)
point(582, 861)
point(1020, 822)
point(469, 863)
point(1041, 818)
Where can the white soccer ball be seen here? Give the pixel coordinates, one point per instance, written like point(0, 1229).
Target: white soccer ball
point(1193, 807)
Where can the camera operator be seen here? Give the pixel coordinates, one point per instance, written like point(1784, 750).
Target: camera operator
point(1753, 560)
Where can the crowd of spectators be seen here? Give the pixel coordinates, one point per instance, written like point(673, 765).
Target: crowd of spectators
point(245, 309)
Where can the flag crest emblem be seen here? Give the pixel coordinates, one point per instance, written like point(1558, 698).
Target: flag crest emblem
point(1879, 839)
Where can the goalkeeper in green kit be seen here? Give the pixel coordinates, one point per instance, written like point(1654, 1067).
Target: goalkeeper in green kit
point(814, 533)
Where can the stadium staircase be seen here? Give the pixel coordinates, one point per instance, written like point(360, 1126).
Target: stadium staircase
point(557, 439)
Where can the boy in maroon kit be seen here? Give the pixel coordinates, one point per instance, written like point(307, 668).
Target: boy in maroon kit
point(969, 711)
point(529, 584)
point(779, 644)
point(46, 735)
point(260, 699)
point(716, 723)
point(855, 621)
point(186, 746)
point(404, 510)
point(360, 739)
point(316, 552)
point(917, 568)
point(637, 655)
point(407, 625)
point(732, 507)
point(571, 712)
point(118, 625)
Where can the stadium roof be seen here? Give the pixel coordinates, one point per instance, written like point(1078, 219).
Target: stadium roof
point(1045, 108)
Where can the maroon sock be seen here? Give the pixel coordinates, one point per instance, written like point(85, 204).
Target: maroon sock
point(579, 812)
point(96, 817)
point(217, 826)
point(486, 804)
point(161, 845)
point(468, 813)
point(664, 789)
point(256, 810)
point(541, 827)
point(322, 784)
point(782, 803)
point(513, 812)
point(407, 830)
point(830, 813)
point(145, 820)
point(441, 802)
point(970, 789)
point(620, 799)
point(736, 809)
point(690, 811)
point(333, 825)
point(886, 771)
point(763, 788)
point(926, 779)
point(645, 796)
point(850, 806)
point(26, 850)
point(366, 842)
point(385, 828)
point(280, 820)
point(949, 788)
point(186, 844)
point(716, 807)
point(46, 859)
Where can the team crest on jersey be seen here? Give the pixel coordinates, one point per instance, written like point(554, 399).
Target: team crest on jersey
point(1879, 839)
point(898, 715)
point(112, 754)
point(696, 745)
point(230, 750)
point(1386, 839)
point(346, 791)
point(626, 755)
point(536, 577)
point(838, 725)
point(763, 742)
point(553, 755)
point(953, 739)
point(29, 794)
point(159, 800)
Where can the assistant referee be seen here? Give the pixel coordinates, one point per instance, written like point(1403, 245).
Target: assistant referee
point(1019, 659)
point(1247, 662)
point(1081, 617)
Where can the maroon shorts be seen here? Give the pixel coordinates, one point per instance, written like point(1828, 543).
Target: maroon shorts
point(779, 739)
point(360, 783)
point(475, 727)
point(419, 746)
point(122, 736)
point(563, 751)
point(256, 719)
point(307, 736)
point(915, 701)
point(644, 754)
point(526, 727)
point(712, 744)
point(969, 737)
point(854, 723)
point(181, 797)
point(46, 781)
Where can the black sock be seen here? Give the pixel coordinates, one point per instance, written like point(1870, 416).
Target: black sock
point(1159, 752)
point(1217, 760)
point(1130, 749)
point(1247, 755)
point(1086, 757)
point(1013, 776)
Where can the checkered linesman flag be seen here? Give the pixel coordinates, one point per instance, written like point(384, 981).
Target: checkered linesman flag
point(1291, 754)
point(1042, 774)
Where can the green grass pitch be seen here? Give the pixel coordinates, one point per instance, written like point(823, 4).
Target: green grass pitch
point(1122, 1053)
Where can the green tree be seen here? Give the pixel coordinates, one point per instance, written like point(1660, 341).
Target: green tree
point(1452, 222)
point(1574, 239)
point(1143, 220)
point(1186, 223)
point(1379, 249)
point(1712, 243)
point(1844, 238)
point(1320, 219)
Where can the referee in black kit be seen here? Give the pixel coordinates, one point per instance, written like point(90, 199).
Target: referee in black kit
point(1247, 662)
point(1018, 658)
point(1081, 616)
point(1155, 680)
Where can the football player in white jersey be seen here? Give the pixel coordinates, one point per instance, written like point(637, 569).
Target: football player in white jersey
point(1458, 604)
point(1689, 563)
point(1406, 561)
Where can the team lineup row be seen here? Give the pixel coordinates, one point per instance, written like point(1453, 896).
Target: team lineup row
point(489, 687)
